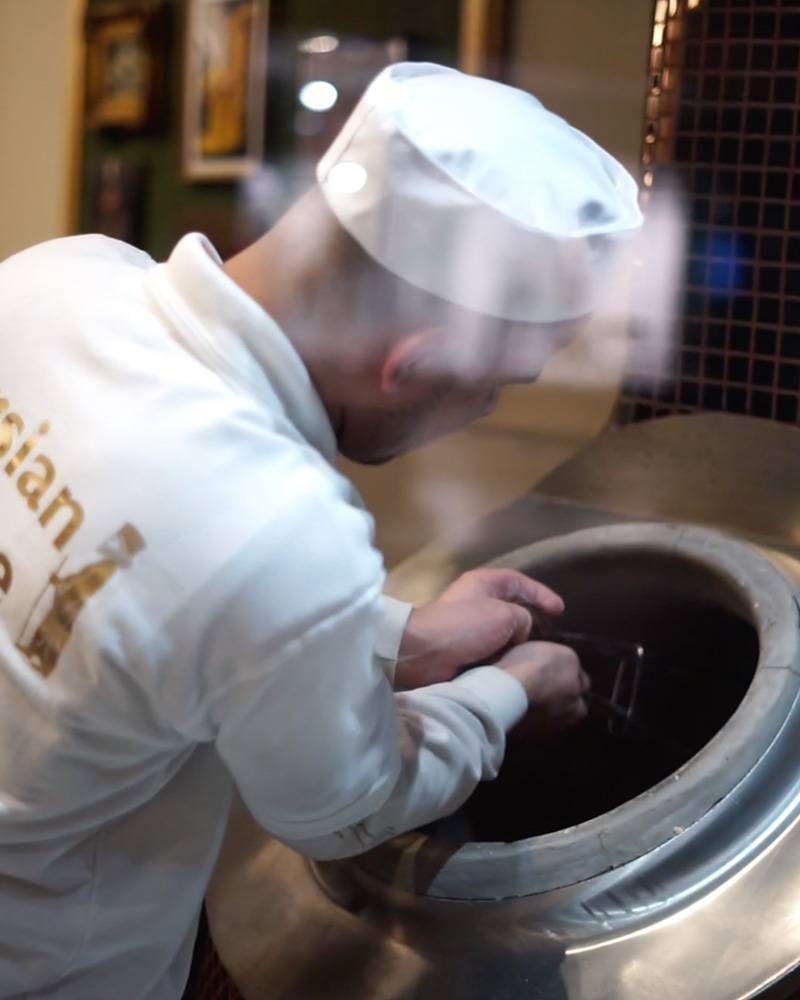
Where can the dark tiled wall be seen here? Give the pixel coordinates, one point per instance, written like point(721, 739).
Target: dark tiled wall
point(722, 122)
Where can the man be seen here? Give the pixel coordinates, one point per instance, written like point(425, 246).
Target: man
point(234, 633)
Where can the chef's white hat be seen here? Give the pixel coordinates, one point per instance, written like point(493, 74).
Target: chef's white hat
point(473, 191)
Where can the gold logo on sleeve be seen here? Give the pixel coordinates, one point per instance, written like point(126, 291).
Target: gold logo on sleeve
point(71, 592)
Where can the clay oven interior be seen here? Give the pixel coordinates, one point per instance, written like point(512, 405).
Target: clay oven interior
point(701, 652)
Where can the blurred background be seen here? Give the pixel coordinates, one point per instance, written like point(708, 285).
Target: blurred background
point(146, 119)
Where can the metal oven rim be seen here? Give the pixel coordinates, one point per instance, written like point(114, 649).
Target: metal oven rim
point(473, 871)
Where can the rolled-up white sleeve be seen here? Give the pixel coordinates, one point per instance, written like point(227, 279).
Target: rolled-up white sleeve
point(325, 755)
point(392, 621)
point(451, 736)
point(331, 761)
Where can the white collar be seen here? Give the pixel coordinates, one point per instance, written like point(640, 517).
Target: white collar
point(221, 313)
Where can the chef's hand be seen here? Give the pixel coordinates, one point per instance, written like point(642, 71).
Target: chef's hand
point(473, 621)
point(555, 684)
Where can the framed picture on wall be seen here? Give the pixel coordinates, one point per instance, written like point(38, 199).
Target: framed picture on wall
point(224, 95)
point(124, 64)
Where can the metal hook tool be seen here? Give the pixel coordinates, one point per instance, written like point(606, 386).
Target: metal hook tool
point(620, 709)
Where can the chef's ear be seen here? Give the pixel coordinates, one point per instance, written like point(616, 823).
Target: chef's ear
point(408, 361)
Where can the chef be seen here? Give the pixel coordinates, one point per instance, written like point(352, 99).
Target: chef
point(190, 602)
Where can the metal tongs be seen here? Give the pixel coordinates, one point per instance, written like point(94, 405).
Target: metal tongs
point(618, 659)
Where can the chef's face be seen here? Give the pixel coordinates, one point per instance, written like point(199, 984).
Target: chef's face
point(445, 376)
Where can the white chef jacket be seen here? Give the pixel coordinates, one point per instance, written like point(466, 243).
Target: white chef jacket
point(189, 601)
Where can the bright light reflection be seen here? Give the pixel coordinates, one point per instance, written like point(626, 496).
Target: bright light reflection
point(658, 35)
point(347, 177)
point(319, 44)
point(318, 95)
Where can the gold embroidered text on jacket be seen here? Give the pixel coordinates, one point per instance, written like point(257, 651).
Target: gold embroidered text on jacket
point(38, 478)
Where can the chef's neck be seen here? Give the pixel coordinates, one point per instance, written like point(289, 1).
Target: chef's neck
point(317, 285)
